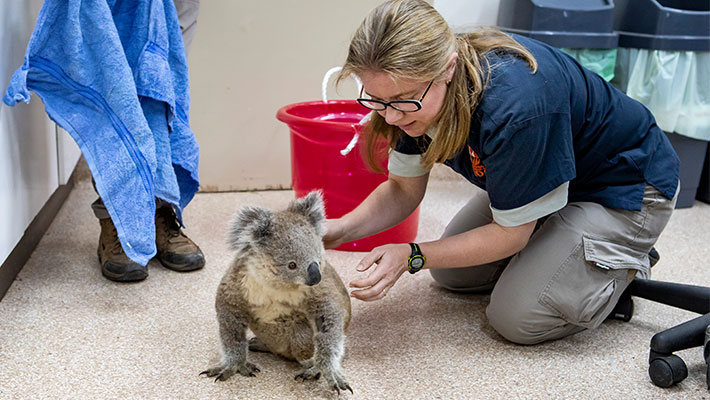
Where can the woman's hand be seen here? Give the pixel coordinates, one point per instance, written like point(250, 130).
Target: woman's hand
point(334, 233)
point(391, 262)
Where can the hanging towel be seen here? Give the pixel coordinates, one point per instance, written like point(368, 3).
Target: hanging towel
point(113, 73)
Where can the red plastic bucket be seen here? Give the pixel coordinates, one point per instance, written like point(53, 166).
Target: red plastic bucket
point(319, 131)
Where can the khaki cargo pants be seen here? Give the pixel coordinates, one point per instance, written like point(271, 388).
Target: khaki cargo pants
point(571, 273)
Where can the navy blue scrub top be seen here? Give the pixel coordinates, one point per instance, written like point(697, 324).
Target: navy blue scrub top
point(533, 132)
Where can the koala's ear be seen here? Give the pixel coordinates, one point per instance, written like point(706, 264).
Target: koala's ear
point(251, 225)
point(313, 208)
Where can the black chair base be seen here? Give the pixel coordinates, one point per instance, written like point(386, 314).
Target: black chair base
point(665, 368)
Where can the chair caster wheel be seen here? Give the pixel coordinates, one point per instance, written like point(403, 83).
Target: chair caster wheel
point(624, 309)
point(666, 371)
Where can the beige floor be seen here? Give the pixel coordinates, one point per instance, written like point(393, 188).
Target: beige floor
point(67, 333)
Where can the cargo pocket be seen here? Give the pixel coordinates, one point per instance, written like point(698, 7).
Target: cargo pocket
point(588, 284)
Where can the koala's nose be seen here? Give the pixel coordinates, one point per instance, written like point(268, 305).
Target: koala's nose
point(313, 274)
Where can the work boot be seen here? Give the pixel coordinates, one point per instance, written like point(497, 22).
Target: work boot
point(115, 264)
point(175, 250)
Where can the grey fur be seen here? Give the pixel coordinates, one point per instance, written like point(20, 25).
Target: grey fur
point(251, 225)
point(291, 312)
point(312, 207)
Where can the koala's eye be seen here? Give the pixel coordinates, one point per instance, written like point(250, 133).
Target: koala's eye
point(292, 265)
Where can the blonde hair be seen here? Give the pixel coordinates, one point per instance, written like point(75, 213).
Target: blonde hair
point(409, 39)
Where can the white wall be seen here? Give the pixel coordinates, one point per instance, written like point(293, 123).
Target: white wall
point(30, 164)
point(248, 59)
point(465, 15)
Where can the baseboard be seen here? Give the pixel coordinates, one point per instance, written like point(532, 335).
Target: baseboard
point(34, 232)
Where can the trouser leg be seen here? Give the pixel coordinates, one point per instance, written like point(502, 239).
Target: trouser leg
point(100, 211)
point(98, 205)
point(574, 269)
point(187, 11)
point(479, 278)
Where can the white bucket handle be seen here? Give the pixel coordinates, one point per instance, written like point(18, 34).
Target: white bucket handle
point(326, 78)
point(324, 88)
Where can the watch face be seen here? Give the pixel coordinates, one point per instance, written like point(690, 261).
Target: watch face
point(417, 263)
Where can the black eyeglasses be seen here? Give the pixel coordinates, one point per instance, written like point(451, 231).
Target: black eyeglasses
point(409, 105)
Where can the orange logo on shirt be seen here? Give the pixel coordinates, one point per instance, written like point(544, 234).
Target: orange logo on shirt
point(478, 169)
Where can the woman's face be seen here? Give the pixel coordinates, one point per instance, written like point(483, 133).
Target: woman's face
point(381, 86)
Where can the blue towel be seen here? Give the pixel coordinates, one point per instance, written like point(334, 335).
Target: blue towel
point(113, 73)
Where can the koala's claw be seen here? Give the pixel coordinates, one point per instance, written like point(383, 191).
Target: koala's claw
point(348, 388)
point(337, 381)
point(341, 384)
point(307, 374)
point(335, 378)
point(222, 373)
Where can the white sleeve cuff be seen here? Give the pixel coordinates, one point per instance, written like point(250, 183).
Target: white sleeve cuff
point(406, 165)
point(543, 206)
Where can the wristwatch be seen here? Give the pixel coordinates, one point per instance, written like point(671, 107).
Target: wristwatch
point(416, 259)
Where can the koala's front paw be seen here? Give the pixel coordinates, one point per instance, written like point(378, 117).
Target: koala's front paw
point(335, 378)
point(222, 372)
point(307, 374)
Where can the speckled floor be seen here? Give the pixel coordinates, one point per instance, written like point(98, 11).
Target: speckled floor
point(67, 333)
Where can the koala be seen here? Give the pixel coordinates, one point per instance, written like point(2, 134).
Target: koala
point(281, 287)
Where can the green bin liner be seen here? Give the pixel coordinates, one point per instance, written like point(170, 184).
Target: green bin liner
point(601, 61)
point(674, 85)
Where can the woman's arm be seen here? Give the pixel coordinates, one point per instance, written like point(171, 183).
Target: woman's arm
point(388, 205)
point(478, 246)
